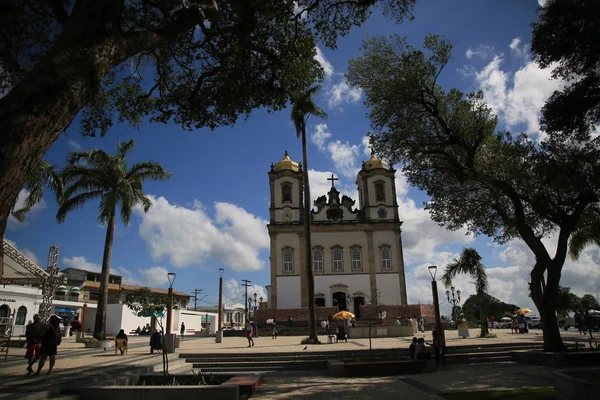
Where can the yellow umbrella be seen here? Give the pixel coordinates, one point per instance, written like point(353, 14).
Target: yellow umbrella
point(343, 315)
point(523, 311)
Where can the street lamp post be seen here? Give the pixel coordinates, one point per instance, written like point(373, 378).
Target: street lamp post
point(454, 301)
point(254, 317)
point(171, 276)
point(221, 270)
point(436, 302)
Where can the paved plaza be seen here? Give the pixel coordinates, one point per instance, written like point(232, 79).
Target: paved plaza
point(74, 360)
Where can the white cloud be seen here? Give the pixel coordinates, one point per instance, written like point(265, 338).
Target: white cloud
point(519, 101)
point(366, 146)
point(12, 221)
point(188, 236)
point(79, 262)
point(481, 51)
point(518, 50)
point(327, 66)
point(320, 136)
point(26, 252)
point(422, 238)
point(342, 93)
point(74, 146)
point(154, 277)
point(345, 157)
point(542, 3)
point(233, 292)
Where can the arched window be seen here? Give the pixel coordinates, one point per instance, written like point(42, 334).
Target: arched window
point(336, 256)
point(356, 263)
point(379, 191)
point(288, 261)
point(318, 260)
point(386, 258)
point(21, 316)
point(4, 311)
point(286, 193)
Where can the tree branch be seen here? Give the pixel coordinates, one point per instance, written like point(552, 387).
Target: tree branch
point(58, 11)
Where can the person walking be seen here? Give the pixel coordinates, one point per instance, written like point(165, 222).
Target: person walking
point(34, 342)
point(182, 330)
point(249, 330)
point(51, 338)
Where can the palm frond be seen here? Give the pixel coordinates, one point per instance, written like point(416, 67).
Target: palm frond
point(468, 263)
point(584, 236)
point(148, 170)
point(303, 106)
point(20, 214)
point(124, 148)
point(74, 203)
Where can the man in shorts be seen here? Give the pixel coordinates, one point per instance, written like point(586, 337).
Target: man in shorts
point(34, 342)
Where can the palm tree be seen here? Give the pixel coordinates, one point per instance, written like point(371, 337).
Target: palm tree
point(587, 233)
point(469, 263)
point(44, 175)
point(94, 174)
point(303, 106)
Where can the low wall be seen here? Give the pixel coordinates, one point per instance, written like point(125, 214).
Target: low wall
point(569, 359)
point(577, 384)
point(366, 312)
point(380, 331)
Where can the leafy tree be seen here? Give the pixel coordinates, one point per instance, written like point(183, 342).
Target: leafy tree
point(495, 307)
point(589, 302)
point(303, 106)
point(198, 63)
point(566, 302)
point(43, 175)
point(491, 183)
point(469, 263)
point(94, 174)
point(145, 303)
point(566, 37)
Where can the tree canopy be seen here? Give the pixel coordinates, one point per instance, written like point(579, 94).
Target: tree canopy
point(495, 307)
point(492, 183)
point(566, 39)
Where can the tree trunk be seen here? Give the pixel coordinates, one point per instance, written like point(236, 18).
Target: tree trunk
point(310, 281)
point(544, 298)
point(45, 102)
point(483, 318)
point(100, 325)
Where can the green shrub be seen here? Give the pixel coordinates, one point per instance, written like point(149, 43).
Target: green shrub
point(307, 340)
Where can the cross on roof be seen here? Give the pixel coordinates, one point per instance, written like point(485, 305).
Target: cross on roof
point(332, 179)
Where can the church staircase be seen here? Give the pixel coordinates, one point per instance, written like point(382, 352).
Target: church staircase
point(314, 360)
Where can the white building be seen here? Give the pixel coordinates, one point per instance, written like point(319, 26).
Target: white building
point(356, 252)
point(23, 302)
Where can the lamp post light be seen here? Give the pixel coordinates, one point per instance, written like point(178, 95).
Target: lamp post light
point(436, 302)
point(221, 270)
point(171, 277)
point(454, 300)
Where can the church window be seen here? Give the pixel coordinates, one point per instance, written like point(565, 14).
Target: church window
point(336, 256)
point(379, 191)
point(356, 262)
point(386, 259)
point(318, 260)
point(286, 193)
point(288, 260)
point(21, 316)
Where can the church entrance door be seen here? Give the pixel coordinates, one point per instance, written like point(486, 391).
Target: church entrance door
point(339, 300)
point(358, 301)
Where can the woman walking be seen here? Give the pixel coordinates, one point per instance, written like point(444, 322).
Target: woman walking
point(249, 330)
point(51, 339)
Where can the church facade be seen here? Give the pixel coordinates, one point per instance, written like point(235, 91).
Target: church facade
point(356, 250)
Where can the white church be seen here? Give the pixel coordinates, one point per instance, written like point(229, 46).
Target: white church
point(356, 251)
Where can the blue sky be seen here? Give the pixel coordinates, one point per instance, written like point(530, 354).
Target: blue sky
point(213, 212)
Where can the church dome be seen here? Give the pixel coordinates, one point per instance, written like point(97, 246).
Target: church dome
point(374, 162)
point(286, 164)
